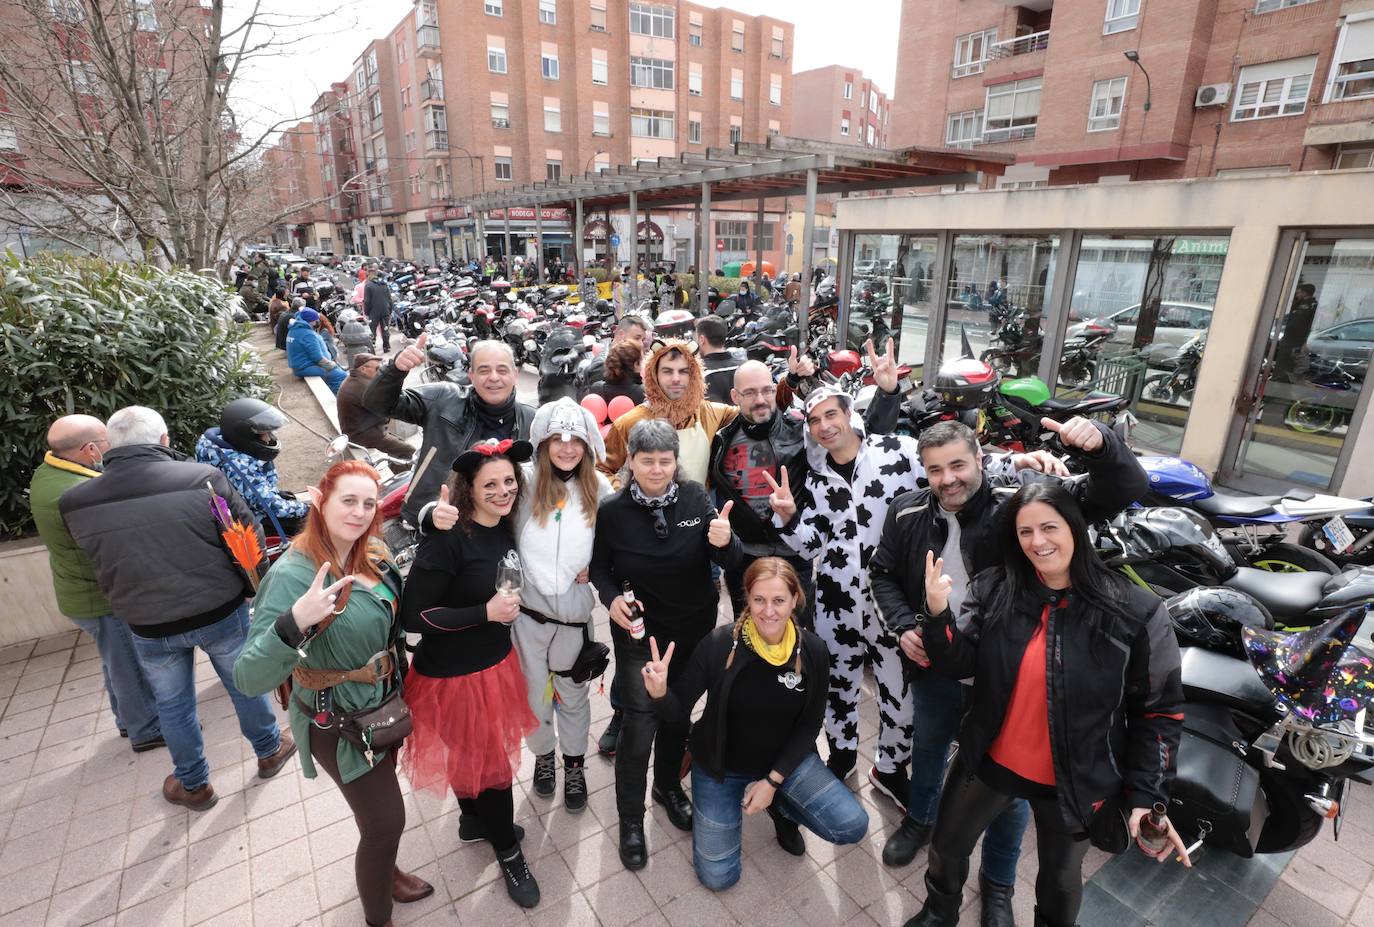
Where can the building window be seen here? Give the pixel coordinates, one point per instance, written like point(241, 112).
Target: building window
point(870, 135)
point(693, 81)
point(1269, 6)
point(733, 235)
point(654, 73)
point(736, 134)
point(553, 170)
point(651, 123)
point(493, 7)
point(415, 181)
point(69, 10)
point(1104, 113)
point(971, 52)
point(964, 129)
point(496, 60)
point(775, 89)
point(1012, 110)
point(9, 137)
point(1347, 158)
point(409, 141)
point(1278, 88)
point(1121, 16)
point(601, 123)
point(145, 18)
point(548, 65)
point(766, 230)
point(694, 34)
point(776, 49)
point(848, 93)
point(598, 18)
point(600, 71)
point(436, 128)
point(405, 98)
point(500, 115)
point(774, 127)
point(1353, 74)
point(503, 168)
point(553, 117)
point(844, 126)
point(736, 84)
point(647, 19)
point(737, 37)
point(548, 12)
point(693, 131)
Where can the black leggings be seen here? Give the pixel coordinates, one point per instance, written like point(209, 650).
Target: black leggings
point(495, 808)
point(968, 806)
point(380, 813)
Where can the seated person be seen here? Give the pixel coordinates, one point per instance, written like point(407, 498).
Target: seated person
point(243, 447)
point(361, 424)
point(307, 353)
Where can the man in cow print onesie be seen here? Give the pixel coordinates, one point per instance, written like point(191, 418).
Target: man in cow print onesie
point(837, 519)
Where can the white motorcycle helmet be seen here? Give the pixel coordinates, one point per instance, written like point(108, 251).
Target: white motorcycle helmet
point(347, 316)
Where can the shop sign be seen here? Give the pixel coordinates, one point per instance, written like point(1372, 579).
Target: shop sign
point(527, 212)
point(439, 213)
point(1216, 246)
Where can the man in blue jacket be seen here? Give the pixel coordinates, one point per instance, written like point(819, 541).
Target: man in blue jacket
point(306, 353)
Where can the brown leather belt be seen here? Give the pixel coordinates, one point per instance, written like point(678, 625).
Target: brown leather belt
point(381, 665)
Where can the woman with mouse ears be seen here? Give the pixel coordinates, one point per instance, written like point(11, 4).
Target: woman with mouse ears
point(465, 691)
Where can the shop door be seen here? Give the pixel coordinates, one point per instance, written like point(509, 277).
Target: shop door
point(1307, 379)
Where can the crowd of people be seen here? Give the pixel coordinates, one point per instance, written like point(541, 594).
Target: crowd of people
point(963, 581)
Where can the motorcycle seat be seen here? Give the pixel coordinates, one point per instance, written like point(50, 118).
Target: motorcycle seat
point(1225, 504)
point(1215, 677)
point(1055, 404)
point(1287, 595)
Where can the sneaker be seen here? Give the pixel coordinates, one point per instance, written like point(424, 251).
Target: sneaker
point(544, 777)
point(896, 785)
point(605, 744)
point(574, 787)
point(906, 841)
point(842, 762)
point(520, 884)
point(470, 830)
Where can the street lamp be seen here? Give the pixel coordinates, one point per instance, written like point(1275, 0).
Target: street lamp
point(1133, 57)
point(587, 168)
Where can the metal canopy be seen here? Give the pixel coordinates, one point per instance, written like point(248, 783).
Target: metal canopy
point(750, 171)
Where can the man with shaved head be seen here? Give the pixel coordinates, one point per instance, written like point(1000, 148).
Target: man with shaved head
point(76, 449)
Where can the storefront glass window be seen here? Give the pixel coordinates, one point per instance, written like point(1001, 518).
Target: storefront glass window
point(999, 289)
point(892, 295)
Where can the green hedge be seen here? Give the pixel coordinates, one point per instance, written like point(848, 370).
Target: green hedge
point(84, 335)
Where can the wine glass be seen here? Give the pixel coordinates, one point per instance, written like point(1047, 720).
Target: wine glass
point(510, 577)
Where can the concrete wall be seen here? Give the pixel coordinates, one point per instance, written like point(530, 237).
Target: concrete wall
point(26, 589)
point(1252, 210)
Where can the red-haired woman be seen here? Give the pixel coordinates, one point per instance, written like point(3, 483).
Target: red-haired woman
point(466, 692)
point(328, 608)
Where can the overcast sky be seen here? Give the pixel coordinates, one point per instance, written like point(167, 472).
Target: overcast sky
point(285, 86)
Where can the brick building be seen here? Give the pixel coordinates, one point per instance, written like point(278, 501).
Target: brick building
point(296, 170)
point(1253, 86)
point(840, 104)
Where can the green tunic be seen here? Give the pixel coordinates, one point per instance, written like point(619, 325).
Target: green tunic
point(368, 625)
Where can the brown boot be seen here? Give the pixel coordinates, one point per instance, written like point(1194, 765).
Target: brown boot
point(270, 766)
point(202, 799)
point(406, 887)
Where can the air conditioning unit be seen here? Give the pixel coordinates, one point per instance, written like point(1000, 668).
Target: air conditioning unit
point(1212, 95)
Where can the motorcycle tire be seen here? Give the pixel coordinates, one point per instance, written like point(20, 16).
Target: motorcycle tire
point(1312, 538)
point(1291, 823)
point(1078, 375)
point(1292, 558)
point(1309, 418)
point(1000, 361)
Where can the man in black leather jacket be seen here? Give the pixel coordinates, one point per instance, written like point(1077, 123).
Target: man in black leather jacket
point(453, 417)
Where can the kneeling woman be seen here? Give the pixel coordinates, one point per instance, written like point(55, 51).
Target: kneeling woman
point(1095, 728)
point(331, 636)
point(754, 748)
point(466, 691)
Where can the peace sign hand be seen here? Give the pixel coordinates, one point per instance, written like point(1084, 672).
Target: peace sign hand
point(884, 368)
point(718, 532)
point(938, 584)
point(413, 355)
point(780, 500)
point(317, 603)
point(656, 670)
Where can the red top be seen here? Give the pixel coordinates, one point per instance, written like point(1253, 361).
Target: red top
point(1023, 745)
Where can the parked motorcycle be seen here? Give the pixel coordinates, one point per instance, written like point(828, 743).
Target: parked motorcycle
point(1178, 383)
point(1331, 405)
point(1345, 539)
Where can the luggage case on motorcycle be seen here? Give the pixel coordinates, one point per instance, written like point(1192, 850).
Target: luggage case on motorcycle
point(1214, 786)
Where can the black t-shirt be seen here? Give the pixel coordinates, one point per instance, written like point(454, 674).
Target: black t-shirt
point(445, 600)
point(760, 717)
point(846, 470)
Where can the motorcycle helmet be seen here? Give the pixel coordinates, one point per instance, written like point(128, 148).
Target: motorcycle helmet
point(347, 316)
point(1212, 617)
point(249, 426)
point(602, 307)
point(966, 383)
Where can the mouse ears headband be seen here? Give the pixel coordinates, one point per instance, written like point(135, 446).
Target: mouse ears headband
point(467, 462)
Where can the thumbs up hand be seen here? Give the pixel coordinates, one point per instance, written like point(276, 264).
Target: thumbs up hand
point(413, 355)
point(445, 514)
point(718, 532)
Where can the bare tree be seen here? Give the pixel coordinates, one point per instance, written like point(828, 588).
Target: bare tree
point(126, 136)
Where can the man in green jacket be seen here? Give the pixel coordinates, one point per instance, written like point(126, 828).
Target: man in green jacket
point(76, 445)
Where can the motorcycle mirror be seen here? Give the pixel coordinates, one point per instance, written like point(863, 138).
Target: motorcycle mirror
point(338, 446)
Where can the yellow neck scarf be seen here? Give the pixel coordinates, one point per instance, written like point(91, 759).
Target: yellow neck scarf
point(772, 654)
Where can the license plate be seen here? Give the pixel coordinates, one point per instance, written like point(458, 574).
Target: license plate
point(1338, 534)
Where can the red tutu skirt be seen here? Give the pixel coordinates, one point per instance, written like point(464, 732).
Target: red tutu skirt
point(468, 730)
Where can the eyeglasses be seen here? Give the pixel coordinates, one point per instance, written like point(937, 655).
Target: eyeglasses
point(660, 525)
point(762, 392)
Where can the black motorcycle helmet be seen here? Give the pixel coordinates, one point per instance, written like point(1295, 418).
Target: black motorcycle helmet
point(602, 307)
point(1211, 617)
point(966, 383)
point(243, 423)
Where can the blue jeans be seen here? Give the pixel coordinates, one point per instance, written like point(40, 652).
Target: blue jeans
point(334, 376)
point(939, 704)
point(131, 697)
point(170, 663)
point(810, 796)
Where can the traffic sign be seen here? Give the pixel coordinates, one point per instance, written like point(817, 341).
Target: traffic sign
point(615, 241)
point(720, 244)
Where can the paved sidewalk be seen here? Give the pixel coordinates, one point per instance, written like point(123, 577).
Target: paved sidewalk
point(87, 838)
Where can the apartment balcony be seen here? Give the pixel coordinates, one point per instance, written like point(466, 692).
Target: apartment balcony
point(1341, 122)
point(1021, 45)
point(436, 140)
point(427, 41)
point(431, 90)
point(1013, 134)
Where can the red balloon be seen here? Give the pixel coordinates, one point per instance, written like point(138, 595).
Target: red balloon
point(619, 406)
point(605, 429)
point(595, 405)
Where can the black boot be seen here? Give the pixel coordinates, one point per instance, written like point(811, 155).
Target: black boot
point(574, 785)
point(545, 780)
point(842, 762)
point(605, 744)
point(520, 884)
point(675, 801)
point(1042, 921)
point(940, 910)
point(634, 853)
point(906, 841)
point(996, 904)
point(788, 831)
